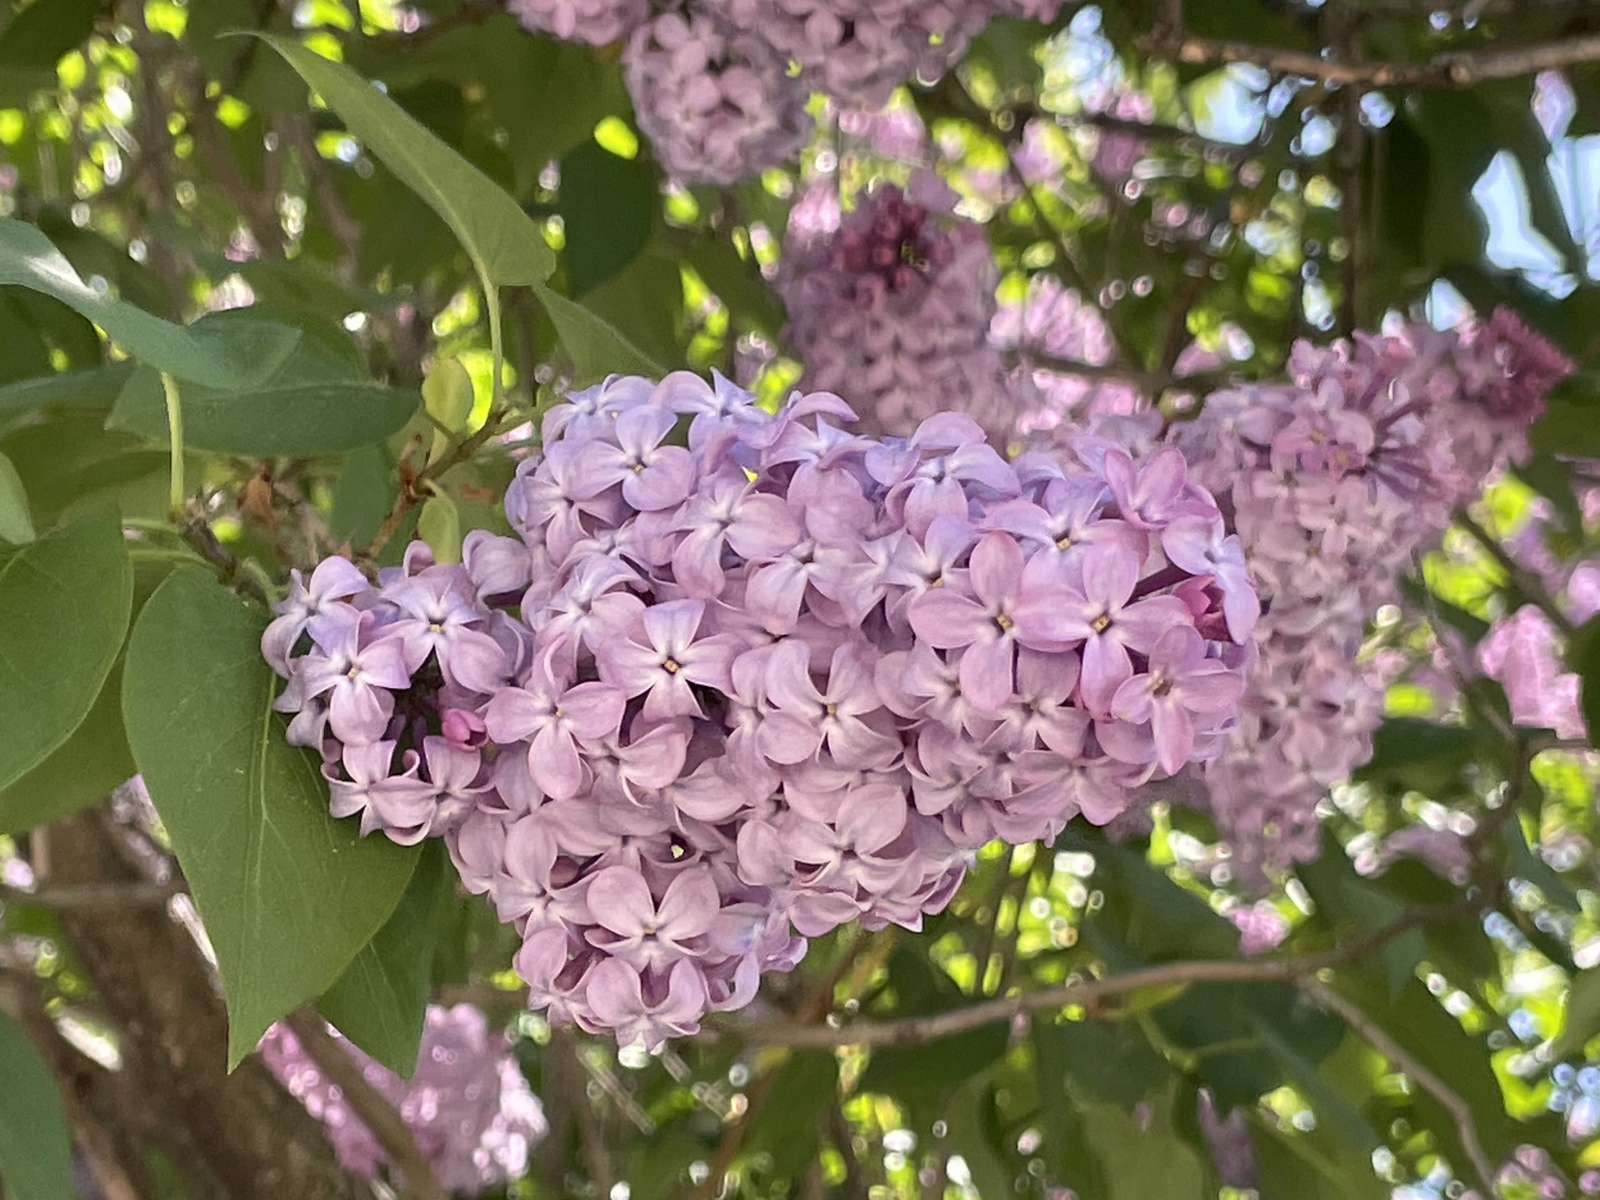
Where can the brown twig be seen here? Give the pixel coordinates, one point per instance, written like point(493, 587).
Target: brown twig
point(1455, 69)
point(1379, 1039)
point(393, 1134)
point(916, 1031)
point(88, 896)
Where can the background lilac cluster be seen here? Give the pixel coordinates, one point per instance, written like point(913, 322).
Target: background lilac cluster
point(892, 305)
point(1338, 478)
point(766, 676)
point(720, 86)
point(468, 1105)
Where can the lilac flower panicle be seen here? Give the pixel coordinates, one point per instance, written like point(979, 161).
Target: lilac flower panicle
point(717, 102)
point(597, 22)
point(892, 308)
point(768, 675)
point(1337, 477)
point(468, 1105)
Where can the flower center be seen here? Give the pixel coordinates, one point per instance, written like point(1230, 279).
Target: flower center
point(671, 666)
point(435, 627)
point(1004, 622)
point(1063, 542)
point(1101, 623)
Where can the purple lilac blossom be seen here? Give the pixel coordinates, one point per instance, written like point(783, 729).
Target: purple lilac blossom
point(385, 681)
point(716, 101)
point(761, 675)
point(468, 1105)
point(597, 22)
point(847, 663)
point(1337, 477)
point(893, 308)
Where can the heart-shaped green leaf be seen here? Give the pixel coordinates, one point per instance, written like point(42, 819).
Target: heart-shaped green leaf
point(288, 894)
point(64, 602)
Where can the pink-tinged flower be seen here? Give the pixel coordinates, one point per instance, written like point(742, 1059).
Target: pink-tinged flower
point(664, 654)
point(1523, 653)
point(651, 760)
point(455, 773)
point(440, 616)
point(399, 804)
point(646, 1010)
point(1010, 605)
point(497, 566)
point(463, 729)
point(1041, 712)
point(729, 516)
point(1179, 684)
point(593, 411)
point(334, 580)
point(1148, 496)
point(647, 934)
point(358, 669)
point(653, 475)
point(1102, 613)
point(779, 586)
point(550, 498)
point(1201, 546)
point(761, 733)
point(832, 716)
point(555, 971)
point(553, 719)
point(592, 608)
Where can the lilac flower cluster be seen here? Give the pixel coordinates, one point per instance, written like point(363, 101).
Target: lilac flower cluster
point(721, 86)
point(770, 676)
point(893, 305)
point(1337, 478)
point(468, 1105)
point(386, 681)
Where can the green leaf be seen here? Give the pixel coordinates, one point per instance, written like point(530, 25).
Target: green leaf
point(439, 524)
point(506, 245)
point(1111, 1062)
point(447, 397)
point(608, 206)
point(381, 1001)
point(737, 282)
point(35, 1149)
point(95, 388)
point(1583, 655)
point(316, 402)
point(46, 30)
point(28, 259)
point(90, 764)
point(64, 603)
point(806, 1085)
point(288, 894)
point(596, 347)
point(1307, 1167)
point(16, 523)
point(1423, 755)
point(362, 497)
point(1142, 1162)
point(1583, 1015)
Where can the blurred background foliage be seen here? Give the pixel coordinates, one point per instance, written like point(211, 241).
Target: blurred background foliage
point(186, 172)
